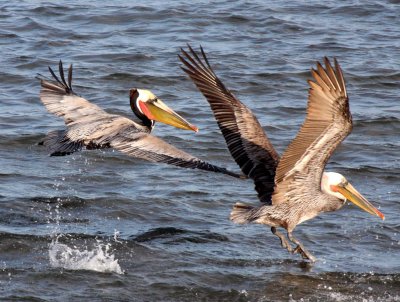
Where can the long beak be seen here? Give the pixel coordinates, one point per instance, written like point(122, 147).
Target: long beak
point(355, 197)
point(160, 112)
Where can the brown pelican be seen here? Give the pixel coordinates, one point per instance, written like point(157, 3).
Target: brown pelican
point(91, 127)
point(295, 187)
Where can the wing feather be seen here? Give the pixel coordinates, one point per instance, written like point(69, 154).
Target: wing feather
point(59, 98)
point(327, 124)
point(244, 136)
point(145, 146)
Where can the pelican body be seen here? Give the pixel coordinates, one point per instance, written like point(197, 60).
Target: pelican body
point(90, 127)
point(293, 188)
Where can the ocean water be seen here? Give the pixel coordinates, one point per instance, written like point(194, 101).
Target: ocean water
point(100, 226)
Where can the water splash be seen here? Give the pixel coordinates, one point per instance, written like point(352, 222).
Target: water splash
point(98, 259)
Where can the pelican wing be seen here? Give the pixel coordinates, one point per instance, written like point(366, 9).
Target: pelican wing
point(151, 148)
point(59, 98)
point(327, 124)
point(122, 134)
point(244, 136)
point(88, 125)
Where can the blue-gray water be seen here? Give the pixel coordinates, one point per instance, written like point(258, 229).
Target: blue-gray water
point(99, 226)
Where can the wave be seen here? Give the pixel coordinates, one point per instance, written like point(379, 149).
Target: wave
point(179, 235)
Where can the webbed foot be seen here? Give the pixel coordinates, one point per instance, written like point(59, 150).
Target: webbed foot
point(300, 249)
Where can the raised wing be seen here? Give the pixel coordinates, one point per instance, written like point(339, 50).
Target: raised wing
point(246, 140)
point(327, 123)
point(87, 123)
point(59, 98)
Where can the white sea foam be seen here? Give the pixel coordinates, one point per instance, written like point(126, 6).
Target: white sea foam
point(98, 259)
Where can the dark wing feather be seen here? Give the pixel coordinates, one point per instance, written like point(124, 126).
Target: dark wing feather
point(244, 136)
point(327, 124)
point(58, 143)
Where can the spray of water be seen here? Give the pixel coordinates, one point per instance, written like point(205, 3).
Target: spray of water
point(98, 259)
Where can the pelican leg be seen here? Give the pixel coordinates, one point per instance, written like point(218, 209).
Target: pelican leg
point(284, 242)
point(300, 249)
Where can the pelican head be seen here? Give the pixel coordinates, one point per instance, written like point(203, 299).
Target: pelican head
point(149, 109)
point(336, 184)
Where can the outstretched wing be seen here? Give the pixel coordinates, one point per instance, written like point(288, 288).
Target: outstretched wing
point(151, 148)
point(244, 136)
point(327, 123)
point(59, 98)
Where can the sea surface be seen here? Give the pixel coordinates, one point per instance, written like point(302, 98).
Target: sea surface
point(100, 226)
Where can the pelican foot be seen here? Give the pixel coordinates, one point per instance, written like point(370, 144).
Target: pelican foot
point(300, 249)
point(304, 253)
point(284, 242)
